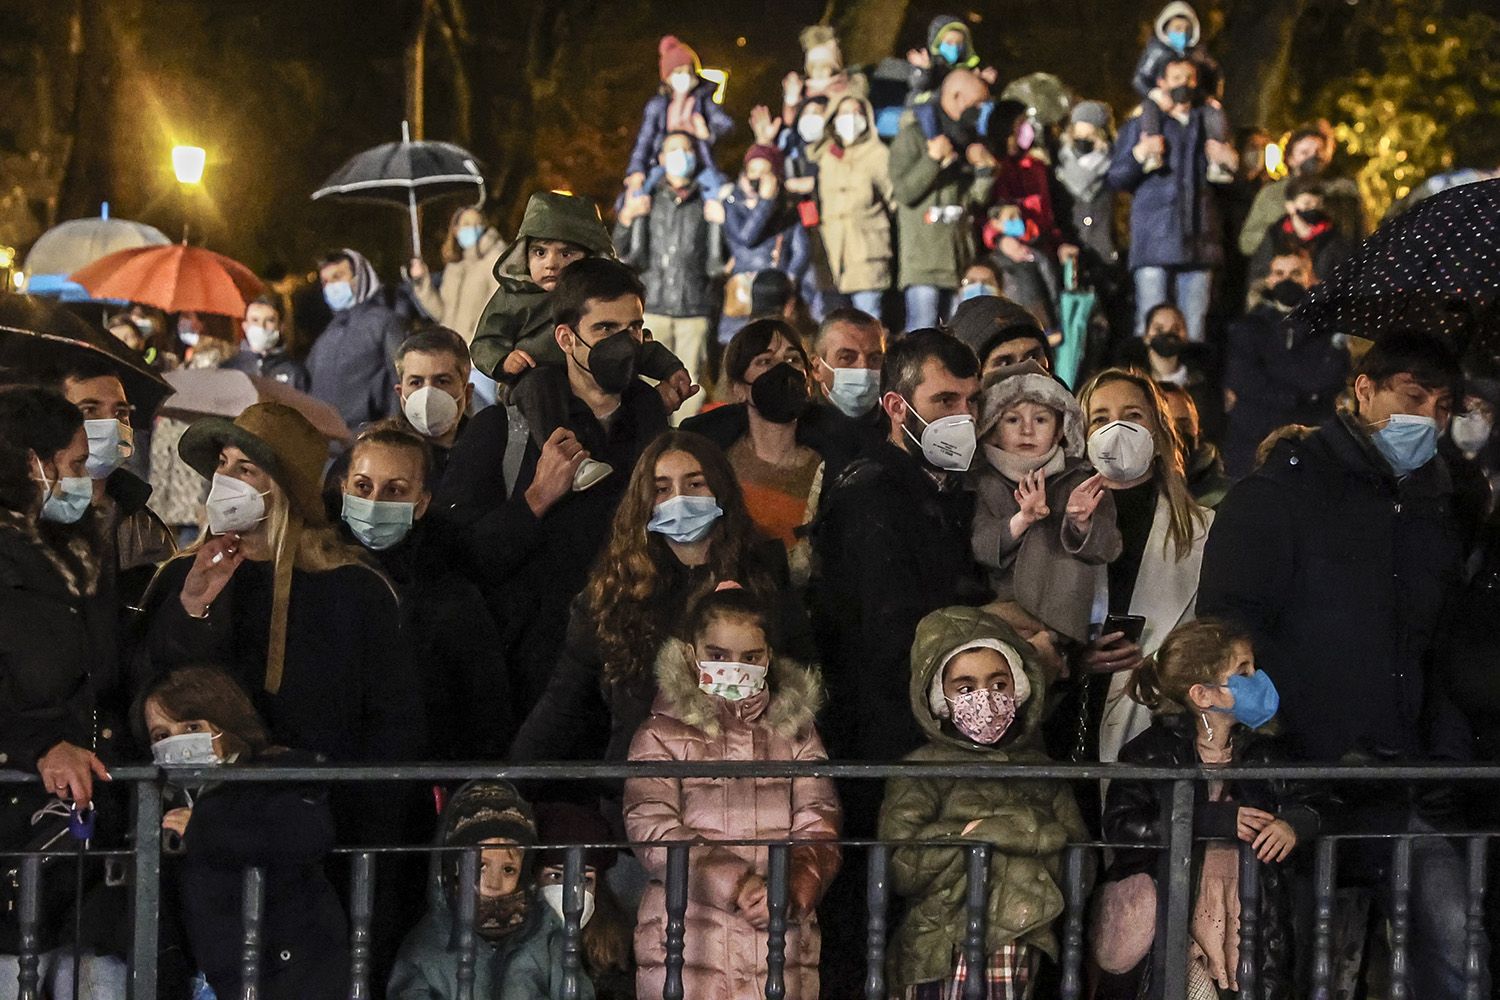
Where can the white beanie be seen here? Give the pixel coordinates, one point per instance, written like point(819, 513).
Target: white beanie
point(1022, 684)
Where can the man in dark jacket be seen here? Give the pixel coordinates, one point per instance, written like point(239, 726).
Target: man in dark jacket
point(1175, 238)
point(666, 235)
point(263, 351)
point(848, 353)
point(530, 540)
point(1277, 373)
point(1305, 226)
point(1339, 555)
point(352, 364)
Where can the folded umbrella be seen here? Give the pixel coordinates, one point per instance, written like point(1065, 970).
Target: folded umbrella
point(223, 392)
point(1047, 98)
point(1435, 268)
point(73, 245)
point(36, 334)
point(173, 278)
point(406, 173)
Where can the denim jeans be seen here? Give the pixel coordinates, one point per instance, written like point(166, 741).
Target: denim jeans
point(868, 301)
point(1187, 290)
point(927, 305)
point(100, 977)
point(1439, 896)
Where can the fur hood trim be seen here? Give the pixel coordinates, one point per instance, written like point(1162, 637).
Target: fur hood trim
point(796, 693)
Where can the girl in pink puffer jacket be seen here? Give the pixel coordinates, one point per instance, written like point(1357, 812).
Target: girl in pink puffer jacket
point(727, 697)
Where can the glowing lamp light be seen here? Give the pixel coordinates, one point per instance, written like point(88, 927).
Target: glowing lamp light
point(7, 257)
point(188, 163)
point(1275, 165)
point(716, 76)
point(18, 281)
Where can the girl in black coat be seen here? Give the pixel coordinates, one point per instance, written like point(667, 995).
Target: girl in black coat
point(200, 717)
point(1211, 704)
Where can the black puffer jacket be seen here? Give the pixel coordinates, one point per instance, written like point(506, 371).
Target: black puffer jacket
point(677, 251)
point(1133, 812)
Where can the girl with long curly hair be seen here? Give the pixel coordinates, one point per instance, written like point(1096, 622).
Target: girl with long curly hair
point(680, 530)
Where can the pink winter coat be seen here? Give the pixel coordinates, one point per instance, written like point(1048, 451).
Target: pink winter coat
point(725, 957)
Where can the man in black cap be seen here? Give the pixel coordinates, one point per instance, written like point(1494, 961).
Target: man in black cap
point(1001, 333)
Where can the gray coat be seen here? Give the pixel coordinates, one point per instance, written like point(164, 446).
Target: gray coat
point(353, 362)
point(677, 252)
point(1050, 570)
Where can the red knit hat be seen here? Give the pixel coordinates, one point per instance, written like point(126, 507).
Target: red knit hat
point(774, 156)
point(672, 54)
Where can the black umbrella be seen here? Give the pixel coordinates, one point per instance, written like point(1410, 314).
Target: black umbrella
point(406, 173)
point(1435, 268)
point(37, 333)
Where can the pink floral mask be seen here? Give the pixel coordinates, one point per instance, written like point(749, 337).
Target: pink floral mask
point(984, 715)
point(730, 681)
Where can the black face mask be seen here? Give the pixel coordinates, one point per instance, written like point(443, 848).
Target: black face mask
point(1183, 94)
point(1288, 293)
point(1314, 216)
point(1310, 167)
point(1167, 345)
point(1083, 147)
point(612, 361)
point(780, 394)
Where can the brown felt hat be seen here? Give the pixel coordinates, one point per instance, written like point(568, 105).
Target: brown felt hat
point(275, 437)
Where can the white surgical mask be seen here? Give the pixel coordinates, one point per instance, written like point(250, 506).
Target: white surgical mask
point(1122, 451)
point(1470, 431)
point(553, 894)
point(233, 505)
point(855, 390)
point(186, 750)
point(811, 127)
point(111, 443)
point(680, 83)
point(730, 681)
point(948, 442)
point(431, 411)
point(850, 127)
point(262, 338)
point(680, 163)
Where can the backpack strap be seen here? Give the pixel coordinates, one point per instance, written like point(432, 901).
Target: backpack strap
point(517, 436)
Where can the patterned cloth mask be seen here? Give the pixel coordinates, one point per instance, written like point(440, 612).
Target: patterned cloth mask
point(984, 715)
point(730, 681)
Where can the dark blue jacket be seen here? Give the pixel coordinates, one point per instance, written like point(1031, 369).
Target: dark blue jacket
point(278, 365)
point(765, 235)
point(1174, 219)
point(654, 128)
point(1341, 573)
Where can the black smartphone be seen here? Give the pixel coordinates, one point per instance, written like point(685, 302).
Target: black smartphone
point(1131, 625)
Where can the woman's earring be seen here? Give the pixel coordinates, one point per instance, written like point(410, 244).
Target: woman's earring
point(1206, 724)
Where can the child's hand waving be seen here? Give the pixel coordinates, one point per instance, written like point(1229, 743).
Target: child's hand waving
point(1276, 841)
point(1084, 500)
point(1031, 495)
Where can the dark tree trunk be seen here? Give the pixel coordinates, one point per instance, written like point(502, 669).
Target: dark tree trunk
point(869, 29)
point(1253, 53)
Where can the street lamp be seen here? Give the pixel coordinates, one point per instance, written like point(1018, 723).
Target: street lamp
point(717, 76)
point(188, 162)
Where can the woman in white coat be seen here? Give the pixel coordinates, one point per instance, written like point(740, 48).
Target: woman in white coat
point(470, 251)
point(1132, 443)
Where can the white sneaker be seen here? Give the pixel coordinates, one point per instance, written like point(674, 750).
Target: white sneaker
point(590, 473)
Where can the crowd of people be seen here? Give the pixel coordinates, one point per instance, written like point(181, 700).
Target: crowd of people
point(678, 490)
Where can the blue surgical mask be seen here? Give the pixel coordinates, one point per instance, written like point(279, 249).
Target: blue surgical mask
point(680, 163)
point(468, 236)
point(975, 290)
point(1178, 40)
point(855, 390)
point(339, 295)
point(378, 524)
point(1407, 441)
point(685, 519)
point(70, 501)
point(111, 442)
point(1014, 228)
point(950, 52)
point(1255, 699)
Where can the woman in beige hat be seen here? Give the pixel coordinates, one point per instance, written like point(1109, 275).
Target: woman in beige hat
point(273, 594)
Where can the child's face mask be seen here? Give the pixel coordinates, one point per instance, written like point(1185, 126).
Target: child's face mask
point(983, 715)
point(731, 681)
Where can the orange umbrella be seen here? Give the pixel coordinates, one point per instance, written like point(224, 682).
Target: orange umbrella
point(174, 278)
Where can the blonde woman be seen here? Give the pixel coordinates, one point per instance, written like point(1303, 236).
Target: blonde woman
point(273, 593)
point(1133, 444)
point(469, 254)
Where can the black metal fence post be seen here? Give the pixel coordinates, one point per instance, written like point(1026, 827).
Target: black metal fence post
point(877, 898)
point(361, 911)
point(1174, 936)
point(1477, 942)
point(468, 907)
point(145, 890)
point(677, 901)
point(1400, 917)
point(1325, 868)
point(976, 902)
point(572, 964)
point(1248, 972)
point(1075, 899)
point(776, 903)
point(28, 916)
point(252, 911)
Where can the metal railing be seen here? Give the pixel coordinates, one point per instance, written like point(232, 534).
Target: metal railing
point(1171, 946)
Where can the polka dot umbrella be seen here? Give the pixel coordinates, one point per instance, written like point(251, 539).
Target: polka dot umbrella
point(1435, 267)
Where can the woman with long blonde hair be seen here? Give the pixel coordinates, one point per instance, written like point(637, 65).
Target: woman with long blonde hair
point(271, 591)
point(680, 530)
point(1133, 444)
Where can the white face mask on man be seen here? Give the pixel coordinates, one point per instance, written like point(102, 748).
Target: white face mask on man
point(431, 411)
point(948, 443)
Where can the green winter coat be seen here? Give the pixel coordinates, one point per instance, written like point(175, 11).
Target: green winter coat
point(934, 206)
point(1026, 822)
point(519, 314)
